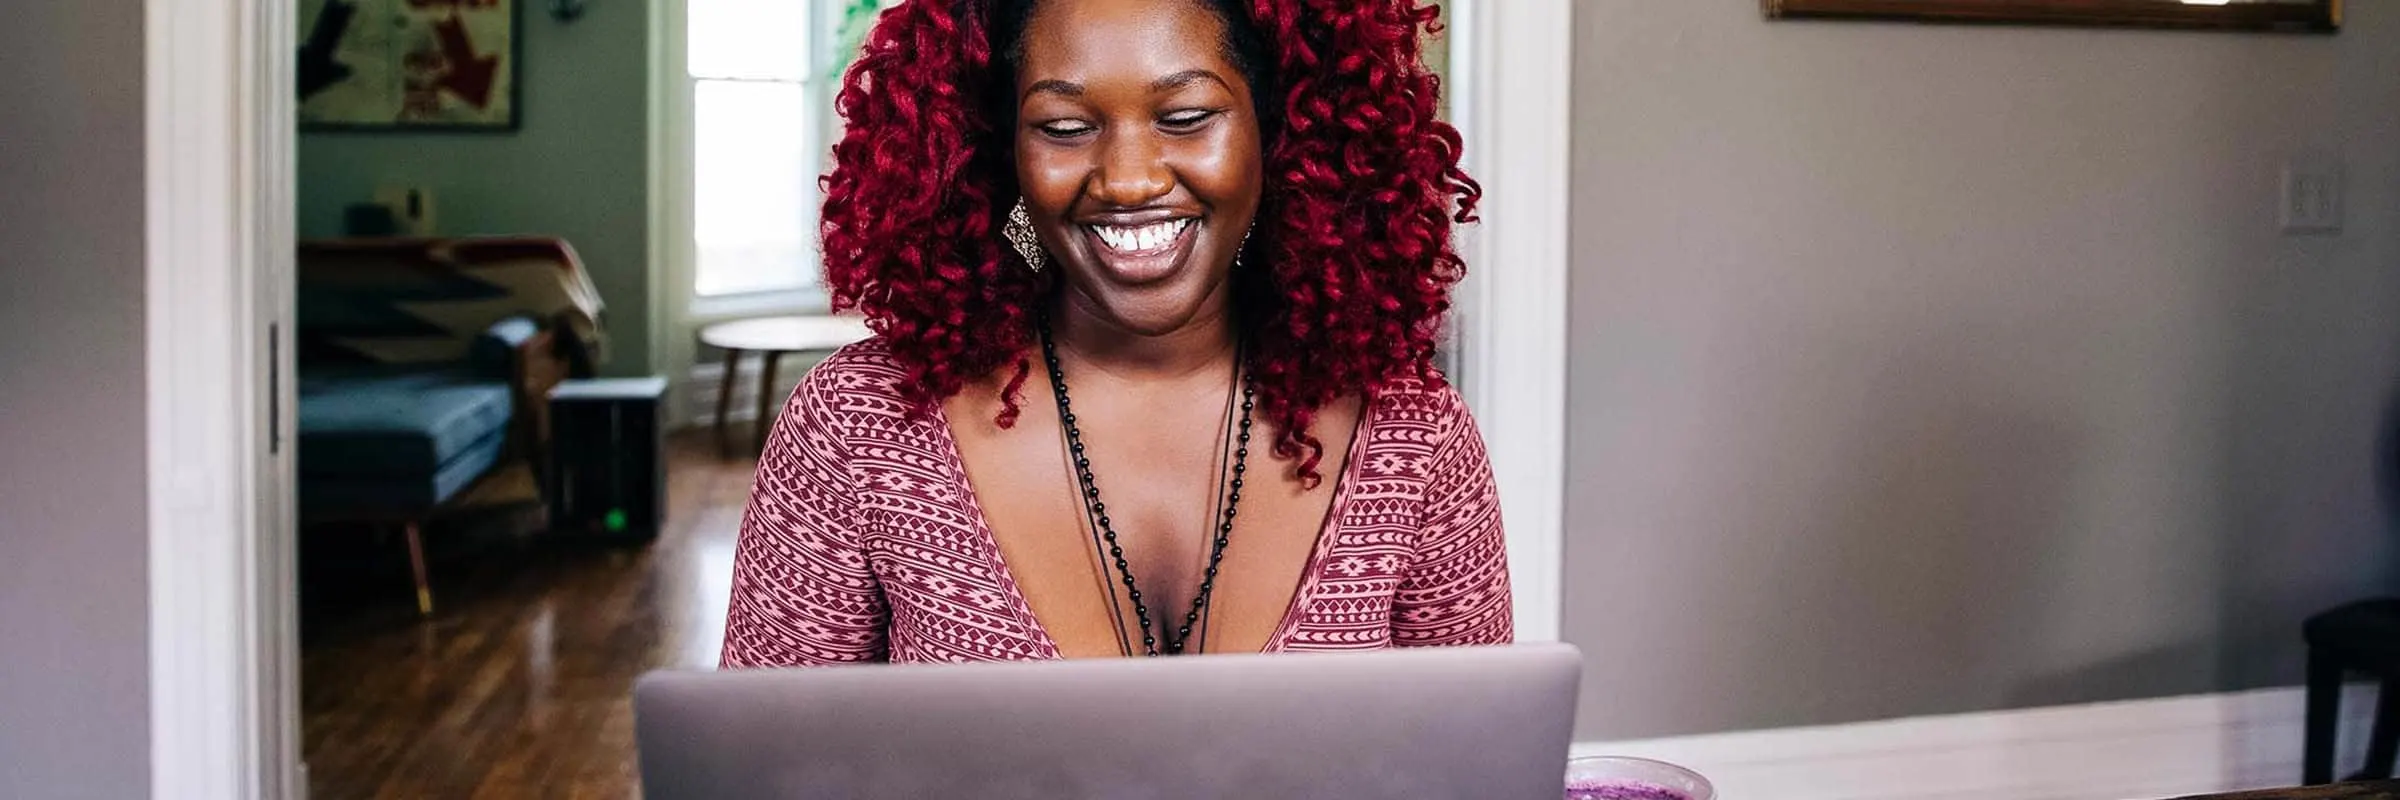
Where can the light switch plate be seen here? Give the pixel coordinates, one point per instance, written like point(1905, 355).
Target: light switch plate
point(2312, 197)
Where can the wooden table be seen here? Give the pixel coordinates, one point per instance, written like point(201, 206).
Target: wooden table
point(2371, 790)
point(771, 338)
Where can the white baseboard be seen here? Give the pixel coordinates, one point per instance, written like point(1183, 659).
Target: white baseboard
point(2145, 749)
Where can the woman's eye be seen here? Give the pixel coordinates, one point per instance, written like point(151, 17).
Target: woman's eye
point(1186, 119)
point(1063, 130)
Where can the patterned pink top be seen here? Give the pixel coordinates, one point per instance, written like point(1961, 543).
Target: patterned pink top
point(864, 542)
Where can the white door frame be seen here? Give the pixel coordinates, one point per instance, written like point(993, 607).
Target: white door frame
point(218, 163)
point(220, 117)
point(1518, 61)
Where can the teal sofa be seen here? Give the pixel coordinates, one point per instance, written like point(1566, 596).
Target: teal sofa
point(401, 414)
point(406, 440)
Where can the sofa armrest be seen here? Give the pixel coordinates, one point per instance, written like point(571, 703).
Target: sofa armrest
point(495, 351)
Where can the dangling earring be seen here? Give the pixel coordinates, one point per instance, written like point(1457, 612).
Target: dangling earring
point(1019, 232)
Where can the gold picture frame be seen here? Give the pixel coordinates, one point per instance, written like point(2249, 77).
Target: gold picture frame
point(2298, 16)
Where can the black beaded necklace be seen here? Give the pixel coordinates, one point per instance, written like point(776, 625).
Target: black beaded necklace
point(1096, 512)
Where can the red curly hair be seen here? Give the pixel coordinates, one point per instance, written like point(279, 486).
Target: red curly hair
point(1346, 278)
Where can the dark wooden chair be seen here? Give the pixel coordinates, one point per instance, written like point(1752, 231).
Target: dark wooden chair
point(2362, 637)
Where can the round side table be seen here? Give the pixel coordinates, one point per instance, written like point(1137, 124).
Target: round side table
point(771, 338)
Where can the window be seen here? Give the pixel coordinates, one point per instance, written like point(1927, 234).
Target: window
point(753, 149)
point(758, 98)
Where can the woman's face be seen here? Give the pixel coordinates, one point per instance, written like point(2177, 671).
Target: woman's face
point(1137, 147)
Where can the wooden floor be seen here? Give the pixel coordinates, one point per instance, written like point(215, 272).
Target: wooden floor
point(519, 684)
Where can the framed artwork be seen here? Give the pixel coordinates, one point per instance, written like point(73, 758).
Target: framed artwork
point(2314, 16)
point(408, 64)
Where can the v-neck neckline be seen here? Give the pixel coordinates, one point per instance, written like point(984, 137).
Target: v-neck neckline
point(1022, 608)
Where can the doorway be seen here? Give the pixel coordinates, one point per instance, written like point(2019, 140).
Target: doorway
point(224, 635)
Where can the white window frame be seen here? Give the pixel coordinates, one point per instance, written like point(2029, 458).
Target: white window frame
point(674, 286)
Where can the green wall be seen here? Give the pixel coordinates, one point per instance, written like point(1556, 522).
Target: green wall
point(575, 169)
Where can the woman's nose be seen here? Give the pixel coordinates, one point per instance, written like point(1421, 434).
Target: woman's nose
point(1131, 172)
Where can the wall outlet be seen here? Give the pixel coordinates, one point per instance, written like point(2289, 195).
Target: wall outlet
point(2312, 197)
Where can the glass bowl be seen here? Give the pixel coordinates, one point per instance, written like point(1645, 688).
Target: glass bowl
point(1629, 778)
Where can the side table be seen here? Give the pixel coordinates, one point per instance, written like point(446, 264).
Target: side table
point(771, 338)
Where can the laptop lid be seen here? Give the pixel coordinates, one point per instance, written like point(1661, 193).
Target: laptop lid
point(1488, 723)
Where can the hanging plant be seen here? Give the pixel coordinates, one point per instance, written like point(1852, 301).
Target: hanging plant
point(858, 16)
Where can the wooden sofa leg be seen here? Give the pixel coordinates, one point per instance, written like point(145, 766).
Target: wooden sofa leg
point(416, 564)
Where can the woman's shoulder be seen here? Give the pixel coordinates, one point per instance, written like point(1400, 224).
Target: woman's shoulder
point(859, 379)
point(863, 368)
point(1428, 401)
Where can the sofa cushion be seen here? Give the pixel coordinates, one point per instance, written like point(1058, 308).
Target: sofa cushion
point(400, 495)
point(399, 426)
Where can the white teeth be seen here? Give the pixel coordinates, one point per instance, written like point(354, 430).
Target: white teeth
point(1140, 238)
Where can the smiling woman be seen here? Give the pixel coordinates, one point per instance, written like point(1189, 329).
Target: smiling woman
point(1217, 223)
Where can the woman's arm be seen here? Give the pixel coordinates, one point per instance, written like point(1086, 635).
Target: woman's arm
point(802, 592)
point(1456, 591)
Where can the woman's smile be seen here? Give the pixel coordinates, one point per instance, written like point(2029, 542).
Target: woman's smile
point(1135, 254)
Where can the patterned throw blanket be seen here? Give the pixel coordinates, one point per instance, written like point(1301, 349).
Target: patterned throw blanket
point(423, 301)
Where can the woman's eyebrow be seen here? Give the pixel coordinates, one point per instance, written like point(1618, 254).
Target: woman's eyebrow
point(1164, 84)
point(1054, 86)
point(1185, 78)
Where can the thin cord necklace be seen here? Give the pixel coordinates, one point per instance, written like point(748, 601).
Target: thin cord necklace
point(1216, 506)
point(1097, 511)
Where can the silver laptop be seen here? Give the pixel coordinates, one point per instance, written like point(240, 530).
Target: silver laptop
point(1489, 723)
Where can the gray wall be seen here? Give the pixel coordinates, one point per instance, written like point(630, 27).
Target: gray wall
point(577, 169)
point(74, 635)
point(1934, 369)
